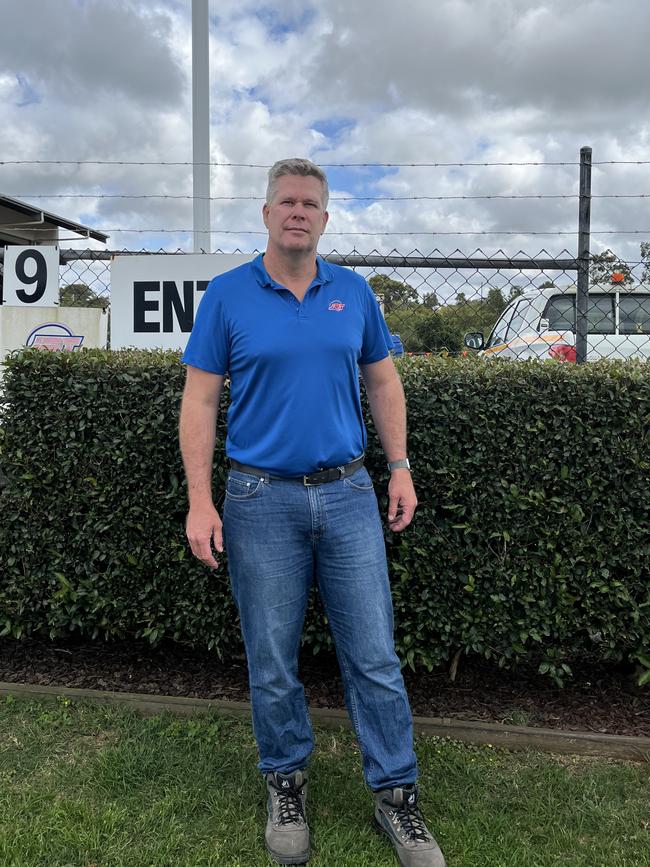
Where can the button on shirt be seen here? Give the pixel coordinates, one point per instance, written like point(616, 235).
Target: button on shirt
point(294, 379)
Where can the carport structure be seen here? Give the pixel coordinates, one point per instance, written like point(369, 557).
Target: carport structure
point(28, 225)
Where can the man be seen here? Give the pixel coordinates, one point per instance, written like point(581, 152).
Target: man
point(292, 331)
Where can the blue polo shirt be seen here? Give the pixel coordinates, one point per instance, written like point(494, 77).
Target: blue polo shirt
point(293, 367)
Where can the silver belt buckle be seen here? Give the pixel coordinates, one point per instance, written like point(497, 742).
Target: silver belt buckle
point(312, 484)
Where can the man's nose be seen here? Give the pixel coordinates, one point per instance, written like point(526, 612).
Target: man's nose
point(298, 211)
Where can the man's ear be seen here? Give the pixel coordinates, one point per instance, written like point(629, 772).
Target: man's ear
point(265, 214)
point(326, 217)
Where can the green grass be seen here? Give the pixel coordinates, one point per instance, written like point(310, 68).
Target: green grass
point(84, 785)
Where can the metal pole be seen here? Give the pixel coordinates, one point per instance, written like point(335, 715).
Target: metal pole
point(201, 124)
point(584, 228)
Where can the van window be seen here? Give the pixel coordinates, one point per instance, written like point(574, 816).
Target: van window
point(634, 314)
point(499, 331)
point(600, 314)
point(520, 320)
point(561, 313)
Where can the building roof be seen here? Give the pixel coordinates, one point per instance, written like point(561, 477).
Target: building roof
point(21, 223)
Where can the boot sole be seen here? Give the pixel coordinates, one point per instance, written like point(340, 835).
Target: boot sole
point(302, 858)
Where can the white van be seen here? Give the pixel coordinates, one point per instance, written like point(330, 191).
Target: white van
point(541, 324)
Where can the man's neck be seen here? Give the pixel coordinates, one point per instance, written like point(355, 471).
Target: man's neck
point(290, 269)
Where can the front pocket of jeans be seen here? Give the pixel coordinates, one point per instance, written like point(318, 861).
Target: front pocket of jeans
point(238, 489)
point(367, 485)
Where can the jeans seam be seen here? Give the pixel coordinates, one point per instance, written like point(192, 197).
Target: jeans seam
point(351, 689)
point(317, 515)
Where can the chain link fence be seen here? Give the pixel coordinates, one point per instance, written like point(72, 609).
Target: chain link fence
point(568, 306)
point(512, 307)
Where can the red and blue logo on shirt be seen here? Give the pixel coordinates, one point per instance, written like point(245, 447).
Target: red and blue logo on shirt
point(336, 305)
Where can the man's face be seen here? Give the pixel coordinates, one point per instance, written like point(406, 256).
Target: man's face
point(295, 218)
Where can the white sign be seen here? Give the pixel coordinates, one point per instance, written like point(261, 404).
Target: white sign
point(63, 328)
point(154, 298)
point(31, 277)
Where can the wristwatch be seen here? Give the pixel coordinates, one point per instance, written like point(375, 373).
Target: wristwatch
point(399, 465)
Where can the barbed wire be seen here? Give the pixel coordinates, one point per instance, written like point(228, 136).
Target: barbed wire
point(332, 198)
point(362, 233)
point(262, 165)
point(323, 165)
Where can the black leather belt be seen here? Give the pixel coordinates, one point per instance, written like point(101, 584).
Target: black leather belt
point(320, 477)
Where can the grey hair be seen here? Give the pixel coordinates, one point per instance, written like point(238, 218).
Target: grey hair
point(296, 166)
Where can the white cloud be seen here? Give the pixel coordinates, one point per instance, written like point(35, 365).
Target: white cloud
point(451, 81)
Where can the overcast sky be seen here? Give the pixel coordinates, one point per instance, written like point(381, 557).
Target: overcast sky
point(369, 81)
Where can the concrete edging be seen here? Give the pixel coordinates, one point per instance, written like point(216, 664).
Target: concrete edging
point(495, 734)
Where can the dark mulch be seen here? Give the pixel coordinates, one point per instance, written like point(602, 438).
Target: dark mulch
point(599, 698)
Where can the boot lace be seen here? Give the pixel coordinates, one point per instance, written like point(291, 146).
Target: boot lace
point(289, 802)
point(412, 822)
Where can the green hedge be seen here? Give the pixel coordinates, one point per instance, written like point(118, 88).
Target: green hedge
point(531, 541)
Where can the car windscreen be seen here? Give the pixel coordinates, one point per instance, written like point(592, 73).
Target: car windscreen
point(498, 334)
point(521, 319)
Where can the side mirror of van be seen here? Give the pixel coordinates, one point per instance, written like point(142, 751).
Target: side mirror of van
point(544, 325)
point(474, 340)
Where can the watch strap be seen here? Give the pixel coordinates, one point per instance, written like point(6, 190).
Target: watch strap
point(399, 465)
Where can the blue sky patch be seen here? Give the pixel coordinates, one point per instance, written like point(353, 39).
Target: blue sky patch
point(256, 93)
point(361, 181)
point(334, 127)
point(88, 218)
point(28, 96)
point(279, 27)
point(482, 145)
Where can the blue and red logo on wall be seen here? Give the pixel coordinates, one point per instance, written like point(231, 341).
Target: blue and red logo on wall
point(54, 336)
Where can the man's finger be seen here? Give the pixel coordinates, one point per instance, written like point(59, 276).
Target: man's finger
point(202, 551)
point(205, 555)
point(217, 536)
point(403, 519)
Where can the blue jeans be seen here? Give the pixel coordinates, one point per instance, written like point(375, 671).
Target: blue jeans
point(279, 535)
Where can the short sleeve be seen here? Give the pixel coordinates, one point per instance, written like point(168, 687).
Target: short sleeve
point(377, 341)
point(208, 347)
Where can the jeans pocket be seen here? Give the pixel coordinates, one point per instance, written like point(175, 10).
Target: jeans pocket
point(359, 481)
point(243, 486)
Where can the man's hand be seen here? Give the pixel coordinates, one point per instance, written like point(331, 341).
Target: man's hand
point(203, 526)
point(401, 500)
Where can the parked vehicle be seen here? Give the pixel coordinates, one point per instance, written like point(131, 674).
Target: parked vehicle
point(541, 324)
point(398, 346)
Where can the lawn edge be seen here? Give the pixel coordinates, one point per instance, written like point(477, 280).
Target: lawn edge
point(479, 733)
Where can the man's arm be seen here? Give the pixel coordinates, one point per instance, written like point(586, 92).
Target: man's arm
point(388, 408)
point(197, 432)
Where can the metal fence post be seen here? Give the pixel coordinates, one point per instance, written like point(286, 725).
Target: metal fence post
point(584, 228)
point(201, 124)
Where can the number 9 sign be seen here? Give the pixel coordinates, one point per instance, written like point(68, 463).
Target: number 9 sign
point(31, 277)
